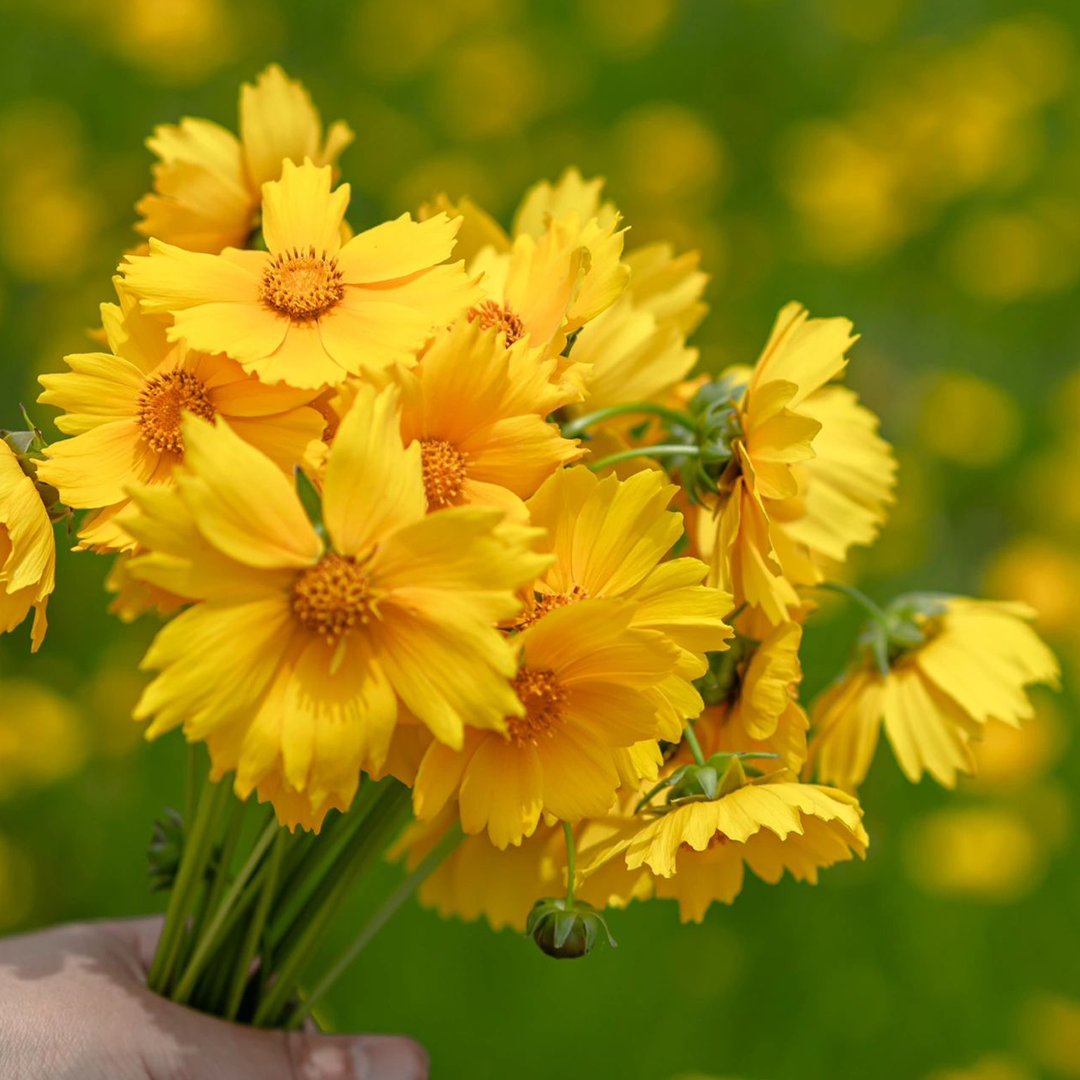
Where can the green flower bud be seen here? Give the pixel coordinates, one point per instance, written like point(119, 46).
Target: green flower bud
point(566, 929)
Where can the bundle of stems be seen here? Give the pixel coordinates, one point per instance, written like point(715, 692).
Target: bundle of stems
point(251, 902)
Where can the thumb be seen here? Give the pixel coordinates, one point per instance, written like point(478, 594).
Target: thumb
point(212, 1049)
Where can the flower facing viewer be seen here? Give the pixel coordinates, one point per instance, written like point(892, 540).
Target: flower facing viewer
point(310, 310)
point(293, 663)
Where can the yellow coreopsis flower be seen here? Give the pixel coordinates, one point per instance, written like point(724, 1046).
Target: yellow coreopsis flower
point(124, 408)
point(608, 537)
point(636, 350)
point(479, 411)
point(582, 681)
point(808, 477)
point(27, 549)
point(293, 663)
point(697, 852)
point(965, 662)
point(561, 267)
point(310, 311)
point(752, 695)
point(208, 183)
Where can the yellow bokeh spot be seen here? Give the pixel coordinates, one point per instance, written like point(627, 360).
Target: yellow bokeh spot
point(994, 1067)
point(42, 737)
point(1052, 1032)
point(990, 853)
point(1011, 757)
point(666, 153)
point(627, 26)
point(177, 40)
point(969, 420)
point(1042, 574)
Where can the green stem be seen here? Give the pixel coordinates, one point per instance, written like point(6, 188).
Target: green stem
point(242, 969)
point(198, 845)
point(691, 740)
point(579, 424)
point(191, 784)
point(381, 917)
point(382, 822)
point(221, 919)
point(864, 601)
point(571, 861)
point(660, 451)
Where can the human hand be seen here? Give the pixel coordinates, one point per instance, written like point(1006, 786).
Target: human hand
point(74, 1005)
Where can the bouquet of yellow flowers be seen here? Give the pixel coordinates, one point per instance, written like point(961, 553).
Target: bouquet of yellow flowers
point(460, 563)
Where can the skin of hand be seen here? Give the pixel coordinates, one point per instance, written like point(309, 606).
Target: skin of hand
point(74, 1005)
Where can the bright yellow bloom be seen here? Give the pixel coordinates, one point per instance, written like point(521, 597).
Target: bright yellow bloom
point(758, 710)
point(560, 269)
point(809, 475)
point(636, 350)
point(124, 410)
point(208, 183)
point(310, 311)
point(608, 537)
point(479, 411)
point(132, 597)
point(975, 660)
point(293, 664)
point(697, 851)
point(27, 549)
point(582, 681)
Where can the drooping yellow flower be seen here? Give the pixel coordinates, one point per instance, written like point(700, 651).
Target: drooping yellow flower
point(293, 662)
point(608, 537)
point(583, 673)
point(479, 411)
point(124, 408)
point(208, 183)
point(973, 663)
point(27, 549)
point(697, 852)
point(795, 494)
point(310, 311)
point(753, 701)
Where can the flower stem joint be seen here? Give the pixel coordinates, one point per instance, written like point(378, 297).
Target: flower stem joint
point(566, 929)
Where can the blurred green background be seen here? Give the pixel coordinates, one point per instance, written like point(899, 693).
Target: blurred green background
point(912, 164)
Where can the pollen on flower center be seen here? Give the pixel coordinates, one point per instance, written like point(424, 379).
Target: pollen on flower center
point(444, 471)
point(549, 602)
point(332, 597)
point(161, 406)
point(301, 286)
point(544, 700)
point(500, 318)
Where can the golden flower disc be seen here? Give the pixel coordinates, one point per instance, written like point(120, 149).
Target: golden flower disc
point(301, 286)
point(544, 699)
point(161, 406)
point(550, 602)
point(500, 318)
point(332, 597)
point(444, 471)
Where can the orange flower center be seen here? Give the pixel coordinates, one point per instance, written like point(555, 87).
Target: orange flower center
point(161, 406)
point(500, 318)
point(301, 286)
point(544, 700)
point(444, 471)
point(550, 602)
point(332, 597)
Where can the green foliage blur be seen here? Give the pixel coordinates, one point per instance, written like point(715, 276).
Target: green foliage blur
point(912, 164)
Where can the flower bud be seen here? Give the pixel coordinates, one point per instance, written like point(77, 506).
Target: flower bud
point(566, 929)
